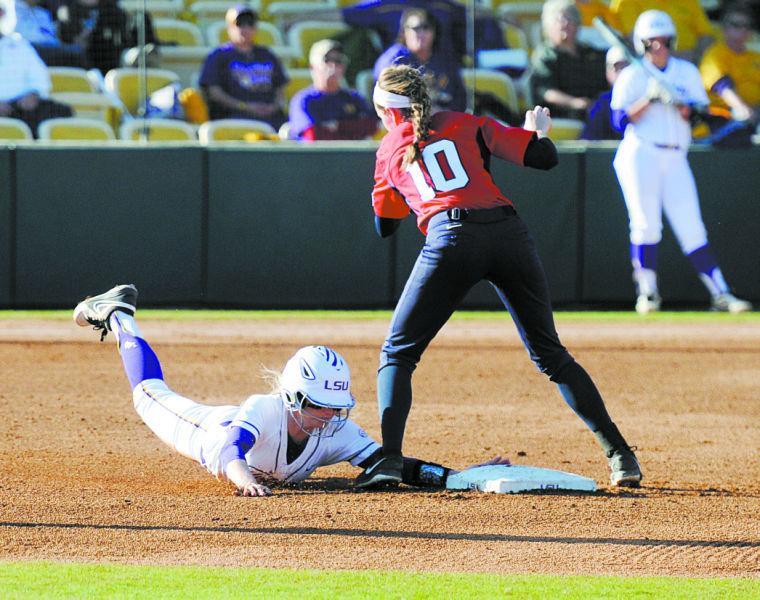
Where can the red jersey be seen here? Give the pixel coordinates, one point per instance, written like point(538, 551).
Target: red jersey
point(453, 170)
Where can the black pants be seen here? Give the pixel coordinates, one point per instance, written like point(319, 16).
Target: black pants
point(46, 109)
point(494, 245)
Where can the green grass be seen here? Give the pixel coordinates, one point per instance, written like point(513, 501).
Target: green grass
point(385, 315)
point(65, 580)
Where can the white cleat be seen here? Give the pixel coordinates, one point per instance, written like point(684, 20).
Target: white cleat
point(729, 303)
point(96, 310)
point(648, 303)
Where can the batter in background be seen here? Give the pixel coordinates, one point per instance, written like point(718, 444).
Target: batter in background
point(652, 167)
point(276, 438)
point(437, 165)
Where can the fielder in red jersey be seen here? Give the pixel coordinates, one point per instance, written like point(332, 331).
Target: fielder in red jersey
point(450, 174)
point(437, 166)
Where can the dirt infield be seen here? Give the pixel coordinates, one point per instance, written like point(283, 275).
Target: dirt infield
point(84, 480)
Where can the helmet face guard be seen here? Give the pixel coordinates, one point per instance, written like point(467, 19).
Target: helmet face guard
point(297, 401)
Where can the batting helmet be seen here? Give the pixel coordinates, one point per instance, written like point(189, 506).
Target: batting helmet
point(320, 377)
point(652, 24)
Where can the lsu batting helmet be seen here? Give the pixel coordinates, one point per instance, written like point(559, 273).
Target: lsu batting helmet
point(318, 376)
point(652, 24)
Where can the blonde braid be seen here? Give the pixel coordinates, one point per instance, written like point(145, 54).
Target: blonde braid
point(408, 81)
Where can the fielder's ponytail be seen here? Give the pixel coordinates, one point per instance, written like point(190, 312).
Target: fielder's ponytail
point(407, 81)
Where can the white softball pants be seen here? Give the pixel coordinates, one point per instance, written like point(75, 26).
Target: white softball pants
point(179, 422)
point(656, 179)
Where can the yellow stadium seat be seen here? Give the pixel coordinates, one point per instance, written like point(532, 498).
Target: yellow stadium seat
point(515, 37)
point(302, 35)
point(266, 34)
point(158, 130)
point(208, 12)
point(299, 79)
point(235, 130)
point(14, 129)
point(91, 105)
point(75, 128)
point(177, 32)
point(124, 83)
point(70, 79)
point(185, 61)
point(493, 82)
point(156, 8)
point(565, 129)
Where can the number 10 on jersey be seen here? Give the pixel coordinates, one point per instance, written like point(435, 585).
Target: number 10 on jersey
point(432, 155)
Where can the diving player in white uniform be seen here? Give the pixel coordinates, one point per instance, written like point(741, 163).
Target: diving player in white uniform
point(280, 437)
point(651, 163)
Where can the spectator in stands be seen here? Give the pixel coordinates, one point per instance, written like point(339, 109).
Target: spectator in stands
point(567, 74)
point(599, 121)
point(731, 71)
point(693, 29)
point(327, 110)
point(25, 82)
point(101, 28)
point(35, 24)
point(241, 80)
point(416, 46)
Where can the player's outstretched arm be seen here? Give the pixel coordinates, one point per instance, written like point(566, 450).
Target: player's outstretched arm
point(237, 472)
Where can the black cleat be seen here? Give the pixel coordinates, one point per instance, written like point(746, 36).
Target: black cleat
point(387, 470)
point(624, 468)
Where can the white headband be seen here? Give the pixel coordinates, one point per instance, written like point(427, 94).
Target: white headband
point(389, 99)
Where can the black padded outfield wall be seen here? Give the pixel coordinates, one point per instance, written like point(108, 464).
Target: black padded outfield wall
point(293, 227)
point(728, 182)
point(288, 226)
point(7, 247)
point(88, 218)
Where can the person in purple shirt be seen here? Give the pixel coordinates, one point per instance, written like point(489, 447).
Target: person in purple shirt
point(326, 110)
point(241, 80)
point(416, 46)
point(383, 16)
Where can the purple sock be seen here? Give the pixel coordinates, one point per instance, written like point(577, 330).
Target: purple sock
point(704, 262)
point(140, 362)
point(644, 256)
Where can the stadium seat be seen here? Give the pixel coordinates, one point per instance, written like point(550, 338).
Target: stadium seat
point(302, 35)
point(124, 84)
point(75, 128)
point(515, 37)
point(14, 129)
point(235, 130)
point(158, 130)
point(299, 79)
point(178, 33)
point(565, 129)
point(92, 105)
point(266, 34)
point(185, 61)
point(209, 12)
point(169, 9)
point(70, 79)
point(288, 11)
point(493, 82)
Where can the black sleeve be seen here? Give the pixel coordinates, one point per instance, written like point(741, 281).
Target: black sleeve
point(541, 154)
point(385, 226)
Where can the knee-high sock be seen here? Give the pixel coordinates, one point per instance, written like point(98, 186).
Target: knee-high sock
point(140, 362)
point(644, 261)
point(580, 393)
point(706, 265)
point(394, 399)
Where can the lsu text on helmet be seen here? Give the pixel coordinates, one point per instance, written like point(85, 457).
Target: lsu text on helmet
point(318, 376)
point(652, 24)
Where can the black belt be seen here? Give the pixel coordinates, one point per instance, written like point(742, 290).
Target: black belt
point(668, 146)
point(480, 215)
